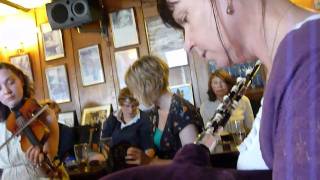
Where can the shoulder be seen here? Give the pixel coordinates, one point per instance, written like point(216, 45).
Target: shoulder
point(112, 119)
point(181, 105)
point(245, 99)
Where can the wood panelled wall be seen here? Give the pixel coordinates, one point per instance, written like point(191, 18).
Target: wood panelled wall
point(103, 93)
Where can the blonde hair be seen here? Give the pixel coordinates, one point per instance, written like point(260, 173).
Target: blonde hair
point(148, 78)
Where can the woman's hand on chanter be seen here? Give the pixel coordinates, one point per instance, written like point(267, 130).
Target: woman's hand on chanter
point(137, 156)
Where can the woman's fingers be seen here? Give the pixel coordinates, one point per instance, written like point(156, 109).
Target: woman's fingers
point(133, 150)
point(133, 156)
point(34, 155)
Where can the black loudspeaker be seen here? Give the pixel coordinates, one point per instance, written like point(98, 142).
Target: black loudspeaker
point(71, 13)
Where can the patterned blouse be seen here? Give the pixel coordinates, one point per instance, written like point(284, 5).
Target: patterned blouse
point(181, 114)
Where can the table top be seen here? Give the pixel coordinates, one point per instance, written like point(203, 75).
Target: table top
point(91, 171)
point(225, 147)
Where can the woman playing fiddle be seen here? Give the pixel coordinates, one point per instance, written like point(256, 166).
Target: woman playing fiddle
point(15, 88)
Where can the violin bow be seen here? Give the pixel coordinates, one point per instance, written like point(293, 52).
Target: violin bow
point(25, 125)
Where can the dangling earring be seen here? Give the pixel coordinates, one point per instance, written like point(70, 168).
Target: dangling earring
point(230, 9)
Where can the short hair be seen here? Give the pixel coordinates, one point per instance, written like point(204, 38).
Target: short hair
point(125, 95)
point(148, 78)
point(224, 76)
point(28, 90)
point(165, 10)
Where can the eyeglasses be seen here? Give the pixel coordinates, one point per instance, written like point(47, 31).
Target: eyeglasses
point(129, 105)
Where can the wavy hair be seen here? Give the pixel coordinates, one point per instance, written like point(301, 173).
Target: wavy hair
point(28, 90)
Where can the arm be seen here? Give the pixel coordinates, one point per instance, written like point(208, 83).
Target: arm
point(137, 156)
point(51, 145)
point(108, 126)
point(203, 113)
point(188, 134)
point(248, 113)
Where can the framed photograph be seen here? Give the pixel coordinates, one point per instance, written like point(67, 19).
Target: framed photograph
point(183, 90)
point(124, 59)
point(90, 65)
point(52, 42)
point(166, 42)
point(124, 28)
point(95, 115)
point(58, 85)
point(23, 63)
point(67, 118)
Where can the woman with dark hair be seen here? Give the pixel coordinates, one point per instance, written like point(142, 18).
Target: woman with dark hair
point(15, 89)
point(219, 85)
point(286, 39)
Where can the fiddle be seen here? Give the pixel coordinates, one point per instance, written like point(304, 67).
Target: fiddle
point(34, 133)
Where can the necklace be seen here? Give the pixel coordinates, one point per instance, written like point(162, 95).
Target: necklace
point(277, 31)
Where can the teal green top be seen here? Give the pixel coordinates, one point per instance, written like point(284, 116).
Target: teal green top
point(157, 137)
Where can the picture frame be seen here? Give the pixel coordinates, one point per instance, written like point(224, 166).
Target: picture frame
point(52, 42)
point(67, 118)
point(23, 62)
point(95, 115)
point(184, 91)
point(90, 65)
point(124, 28)
point(58, 86)
point(124, 59)
point(166, 42)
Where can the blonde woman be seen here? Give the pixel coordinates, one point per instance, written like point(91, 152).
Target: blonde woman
point(175, 121)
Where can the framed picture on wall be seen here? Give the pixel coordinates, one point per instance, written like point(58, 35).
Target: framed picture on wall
point(58, 85)
point(67, 118)
point(95, 115)
point(52, 42)
point(124, 28)
point(183, 90)
point(23, 63)
point(124, 59)
point(90, 65)
point(166, 42)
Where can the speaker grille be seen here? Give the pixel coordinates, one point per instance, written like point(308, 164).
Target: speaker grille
point(79, 8)
point(60, 13)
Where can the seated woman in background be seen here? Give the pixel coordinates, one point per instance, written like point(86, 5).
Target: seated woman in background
point(175, 121)
point(129, 125)
point(219, 85)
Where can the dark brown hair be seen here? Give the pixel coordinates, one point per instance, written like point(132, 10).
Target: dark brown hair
point(166, 13)
point(224, 76)
point(28, 90)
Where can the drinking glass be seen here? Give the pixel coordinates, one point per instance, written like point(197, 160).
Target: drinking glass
point(238, 131)
point(81, 154)
point(105, 144)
